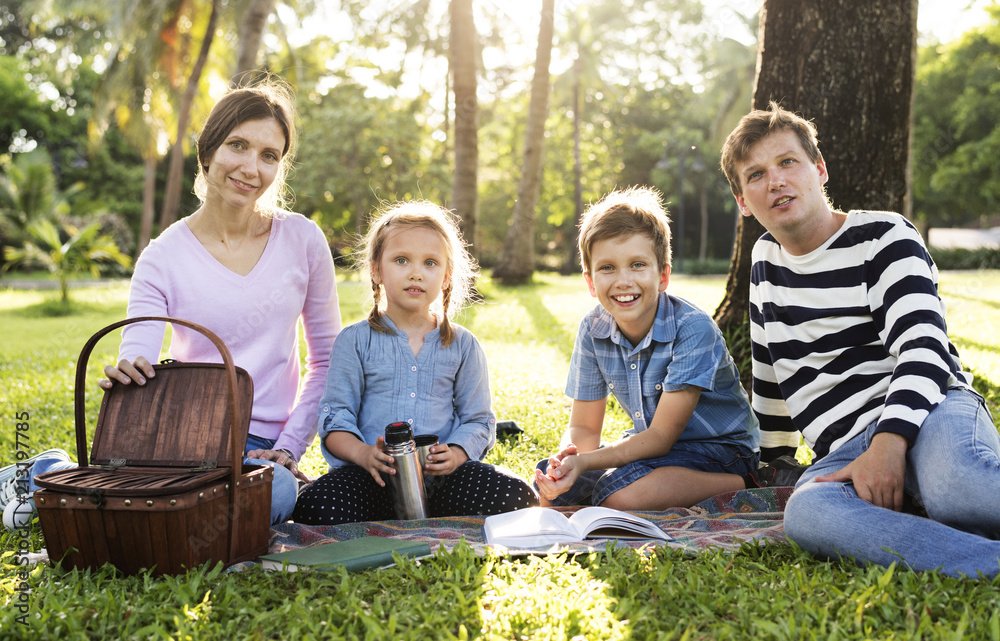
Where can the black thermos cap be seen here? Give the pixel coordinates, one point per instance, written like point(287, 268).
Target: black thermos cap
point(397, 433)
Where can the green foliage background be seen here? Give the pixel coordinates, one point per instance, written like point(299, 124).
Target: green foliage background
point(375, 120)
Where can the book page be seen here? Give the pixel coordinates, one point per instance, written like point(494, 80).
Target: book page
point(539, 526)
point(530, 527)
point(604, 522)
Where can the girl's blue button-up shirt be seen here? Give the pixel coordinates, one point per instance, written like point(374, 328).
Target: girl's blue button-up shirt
point(374, 379)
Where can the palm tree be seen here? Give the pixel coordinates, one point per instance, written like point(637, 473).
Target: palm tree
point(516, 263)
point(172, 191)
point(251, 32)
point(141, 108)
point(604, 34)
point(84, 250)
point(584, 75)
point(142, 85)
point(28, 193)
point(462, 55)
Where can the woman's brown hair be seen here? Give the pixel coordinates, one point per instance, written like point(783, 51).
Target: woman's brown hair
point(269, 98)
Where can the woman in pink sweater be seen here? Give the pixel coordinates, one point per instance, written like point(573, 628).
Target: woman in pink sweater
point(247, 270)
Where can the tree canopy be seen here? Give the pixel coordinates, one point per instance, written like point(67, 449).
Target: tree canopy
point(641, 93)
point(956, 179)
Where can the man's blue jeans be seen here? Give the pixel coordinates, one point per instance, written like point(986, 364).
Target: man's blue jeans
point(952, 470)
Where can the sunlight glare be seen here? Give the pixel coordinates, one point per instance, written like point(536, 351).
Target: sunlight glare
point(526, 14)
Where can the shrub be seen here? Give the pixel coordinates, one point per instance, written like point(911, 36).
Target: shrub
point(958, 258)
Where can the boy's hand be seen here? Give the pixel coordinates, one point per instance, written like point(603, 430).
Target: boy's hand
point(558, 479)
point(556, 459)
point(443, 459)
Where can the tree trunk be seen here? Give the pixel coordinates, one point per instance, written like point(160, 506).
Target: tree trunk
point(464, 186)
point(447, 113)
point(734, 310)
point(251, 34)
point(703, 211)
point(572, 264)
point(847, 65)
point(148, 203)
point(172, 191)
point(516, 263)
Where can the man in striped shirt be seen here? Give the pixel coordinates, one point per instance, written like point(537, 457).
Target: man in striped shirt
point(850, 348)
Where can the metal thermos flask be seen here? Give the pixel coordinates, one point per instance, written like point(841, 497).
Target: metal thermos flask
point(407, 484)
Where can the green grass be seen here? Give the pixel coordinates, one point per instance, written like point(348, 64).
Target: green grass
point(759, 592)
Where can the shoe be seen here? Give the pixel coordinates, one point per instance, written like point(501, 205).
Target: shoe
point(781, 472)
point(15, 499)
point(19, 512)
point(508, 429)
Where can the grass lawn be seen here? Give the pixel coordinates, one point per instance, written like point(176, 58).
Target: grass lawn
point(759, 592)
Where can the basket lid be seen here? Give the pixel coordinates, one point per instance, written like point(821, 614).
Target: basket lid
point(179, 418)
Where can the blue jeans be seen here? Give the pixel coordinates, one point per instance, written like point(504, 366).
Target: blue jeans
point(952, 470)
point(595, 486)
point(284, 489)
point(45, 465)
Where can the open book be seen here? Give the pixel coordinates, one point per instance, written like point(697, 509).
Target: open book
point(353, 554)
point(541, 526)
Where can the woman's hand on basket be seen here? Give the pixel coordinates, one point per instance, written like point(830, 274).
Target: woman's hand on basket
point(282, 458)
point(138, 371)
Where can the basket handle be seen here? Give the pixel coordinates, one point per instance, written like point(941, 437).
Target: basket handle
point(236, 462)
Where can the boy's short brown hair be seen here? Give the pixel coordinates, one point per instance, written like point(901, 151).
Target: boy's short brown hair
point(754, 127)
point(627, 212)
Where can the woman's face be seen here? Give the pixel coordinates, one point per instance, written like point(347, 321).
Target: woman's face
point(246, 163)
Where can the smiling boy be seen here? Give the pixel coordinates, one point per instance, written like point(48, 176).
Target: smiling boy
point(851, 348)
point(693, 433)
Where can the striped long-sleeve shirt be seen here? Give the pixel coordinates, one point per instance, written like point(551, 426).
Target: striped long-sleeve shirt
point(849, 334)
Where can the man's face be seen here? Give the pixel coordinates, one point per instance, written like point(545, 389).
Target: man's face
point(782, 188)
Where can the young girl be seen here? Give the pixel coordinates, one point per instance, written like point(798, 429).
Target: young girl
point(408, 362)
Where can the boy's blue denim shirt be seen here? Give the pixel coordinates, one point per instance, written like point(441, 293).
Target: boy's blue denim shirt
point(683, 348)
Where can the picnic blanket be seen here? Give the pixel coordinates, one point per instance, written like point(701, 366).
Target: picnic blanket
point(724, 521)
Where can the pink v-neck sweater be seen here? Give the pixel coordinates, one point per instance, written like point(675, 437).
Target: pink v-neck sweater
point(256, 316)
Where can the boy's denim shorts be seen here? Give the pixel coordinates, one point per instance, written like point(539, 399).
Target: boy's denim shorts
point(595, 486)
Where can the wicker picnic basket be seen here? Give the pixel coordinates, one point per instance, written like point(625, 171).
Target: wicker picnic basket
point(165, 487)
